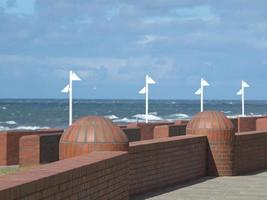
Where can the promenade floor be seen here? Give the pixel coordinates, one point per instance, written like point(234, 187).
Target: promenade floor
point(248, 187)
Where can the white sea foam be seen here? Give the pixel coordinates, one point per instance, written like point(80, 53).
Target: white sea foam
point(3, 128)
point(150, 117)
point(178, 116)
point(125, 120)
point(31, 128)
point(11, 122)
point(4, 108)
point(112, 117)
point(227, 112)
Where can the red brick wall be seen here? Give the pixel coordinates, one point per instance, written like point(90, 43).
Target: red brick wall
point(147, 130)
point(261, 124)
point(162, 162)
point(100, 175)
point(29, 153)
point(39, 149)
point(133, 134)
point(247, 124)
point(235, 123)
point(3, 148)
point(250, 152)
point(9, 155)
point(169, 131)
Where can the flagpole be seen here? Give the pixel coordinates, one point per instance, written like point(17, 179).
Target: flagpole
point(243, 101)
point(147, 98)
point(202, 97)
point(70, 98)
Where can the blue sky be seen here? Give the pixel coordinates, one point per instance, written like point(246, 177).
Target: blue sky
point(113, 44)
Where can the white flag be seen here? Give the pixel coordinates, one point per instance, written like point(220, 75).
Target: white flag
point(198, 92)
point(74, 77)
point(150, 80)
point(204, 82)
point(244, 84)
point(143, 91)
point(240, 92)
point(66, 89)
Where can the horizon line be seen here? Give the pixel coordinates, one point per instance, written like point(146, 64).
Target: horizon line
point(153, 99)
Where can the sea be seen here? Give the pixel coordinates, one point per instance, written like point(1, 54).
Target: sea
point(31, 114)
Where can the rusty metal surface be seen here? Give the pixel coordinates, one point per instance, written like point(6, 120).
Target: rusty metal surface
point(92, 133)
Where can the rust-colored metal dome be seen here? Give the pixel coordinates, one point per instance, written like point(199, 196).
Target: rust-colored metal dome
point(220, 133)
point(90, 134)
point(209, 120)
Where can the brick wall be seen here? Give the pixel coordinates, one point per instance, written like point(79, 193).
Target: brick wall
point(9, 148)
point(100, 175)
point(147, 130)
point(247, 124)
point(250, 151)
point(261, 124)
point(162, 162)
point(39, 149)
point(235, 123)
point(133, 134)
point(169, 131)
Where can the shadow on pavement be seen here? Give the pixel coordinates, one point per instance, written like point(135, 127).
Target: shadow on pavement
point(169, 189)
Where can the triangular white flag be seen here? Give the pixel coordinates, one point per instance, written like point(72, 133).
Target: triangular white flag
point(240, 92)
point(143, 91)
point(74, 77)
point(150, 80)
point(198, 92)
point(244, 84)
point(204, 82)
point(66, 89)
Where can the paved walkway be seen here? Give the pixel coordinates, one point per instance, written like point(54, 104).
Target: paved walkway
point(250, 187)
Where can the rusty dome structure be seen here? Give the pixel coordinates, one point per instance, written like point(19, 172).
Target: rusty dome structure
point(220, 133)
point(90, 134)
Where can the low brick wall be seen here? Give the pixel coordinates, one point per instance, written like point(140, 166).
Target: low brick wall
point(250, 152)
point(100, 175)
point(39, 149)
point(235, 123)
point(169, 131)
point(9, 144)
point(133, 134)
point(161, 162)
point(147, 130)
point(261, 124)
point(247, 124)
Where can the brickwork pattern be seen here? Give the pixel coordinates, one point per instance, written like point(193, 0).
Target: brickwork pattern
point(162, 162)
point(220, 134)
point(101, 175)
point(39, 149)
point(9, 148)
point(261, 124)
point(169, 131)
point(250, 151)
point(133, 134)
point(246, 124)
point(147, 130)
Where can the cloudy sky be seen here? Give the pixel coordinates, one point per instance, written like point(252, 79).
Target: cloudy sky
point(112, 44)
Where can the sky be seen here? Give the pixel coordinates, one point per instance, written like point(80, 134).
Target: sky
point(113, 44)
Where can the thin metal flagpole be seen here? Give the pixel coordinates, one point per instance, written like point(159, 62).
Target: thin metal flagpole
point(202, 97)
point(243, 101)
point(70, 98)
point(147, 90)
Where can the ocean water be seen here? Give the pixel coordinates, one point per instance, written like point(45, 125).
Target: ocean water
point(35, 114)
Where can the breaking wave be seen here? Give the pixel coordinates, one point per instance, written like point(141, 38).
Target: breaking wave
point(31, 128)
point(178, 116)
point(151, 117)
point(112, 117)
